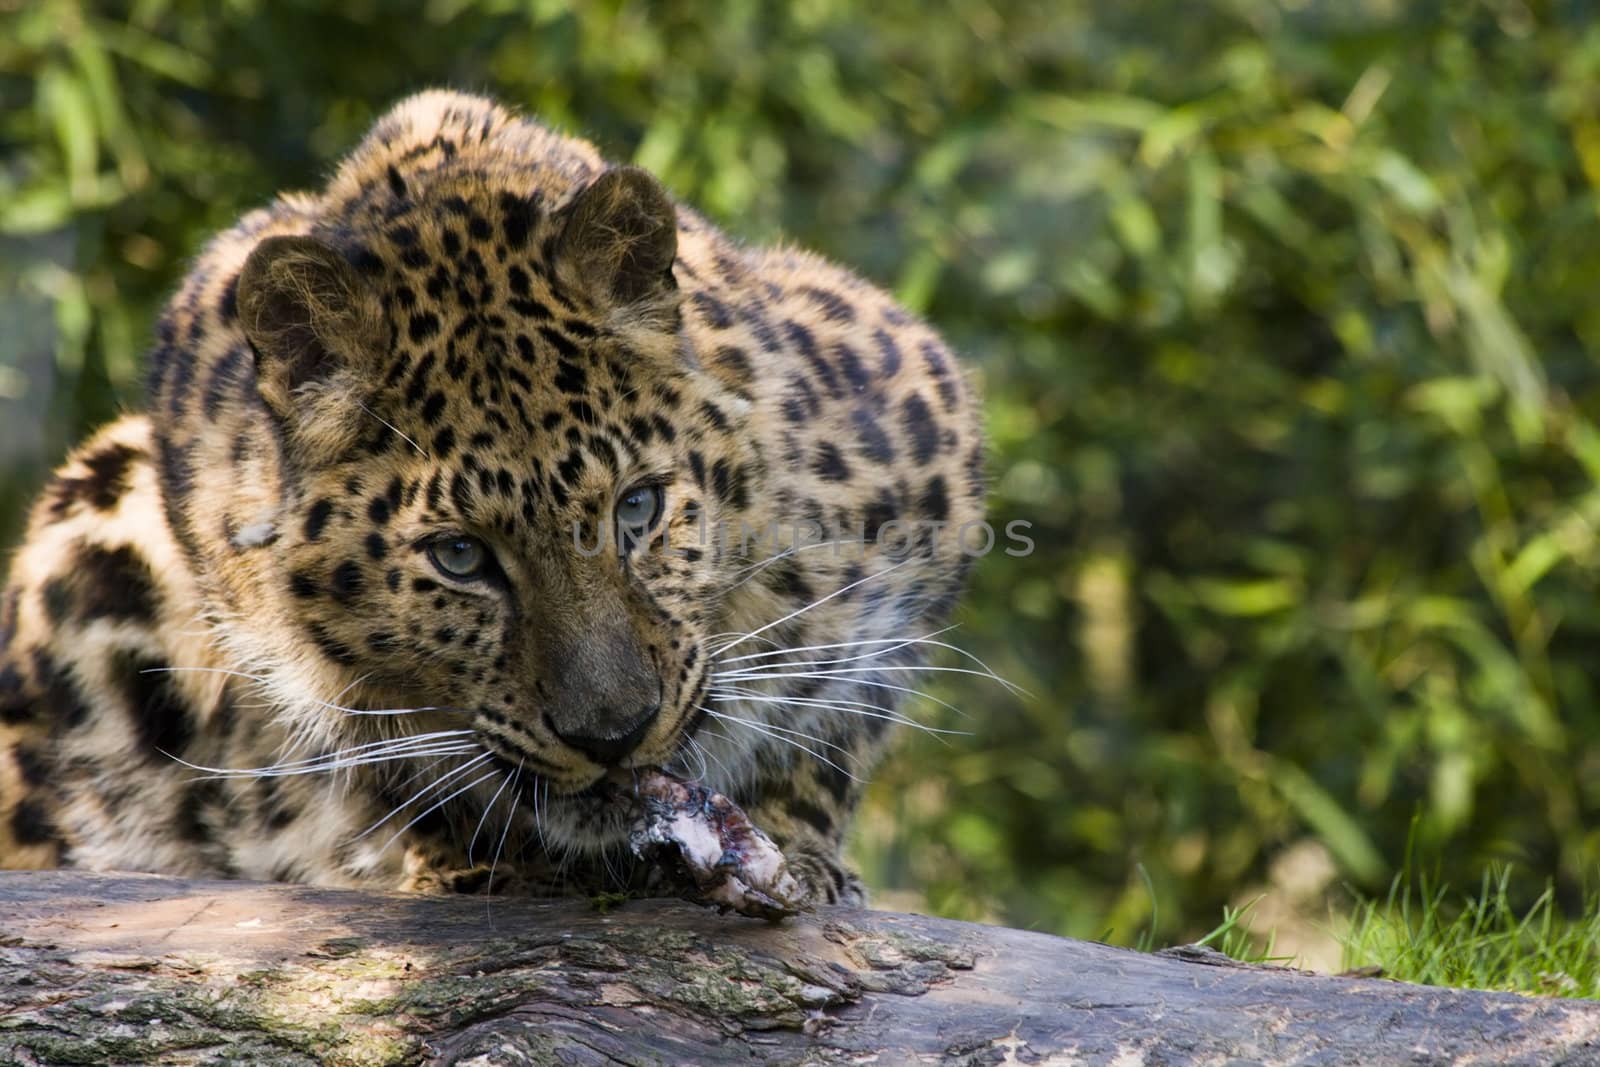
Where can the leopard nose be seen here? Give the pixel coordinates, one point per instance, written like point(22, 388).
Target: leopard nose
point(610, 749)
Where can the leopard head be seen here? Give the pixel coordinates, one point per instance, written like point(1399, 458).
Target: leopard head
point(497, 457)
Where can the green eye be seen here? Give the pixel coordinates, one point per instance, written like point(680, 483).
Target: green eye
point(639, 508)
point(459, 557)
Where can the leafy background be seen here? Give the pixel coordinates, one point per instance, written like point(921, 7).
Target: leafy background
point(1285, 314)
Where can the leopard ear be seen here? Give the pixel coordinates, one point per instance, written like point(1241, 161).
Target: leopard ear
point(307, 314)
point(618, 243)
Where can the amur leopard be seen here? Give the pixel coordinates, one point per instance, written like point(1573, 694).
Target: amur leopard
point(464, 484)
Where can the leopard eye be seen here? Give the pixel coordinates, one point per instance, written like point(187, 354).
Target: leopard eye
point(461, 558)
point(639, 508)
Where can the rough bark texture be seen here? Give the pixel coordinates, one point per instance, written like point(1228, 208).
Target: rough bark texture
point(130, 969)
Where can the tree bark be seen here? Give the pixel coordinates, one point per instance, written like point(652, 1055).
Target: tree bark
point(99, 968)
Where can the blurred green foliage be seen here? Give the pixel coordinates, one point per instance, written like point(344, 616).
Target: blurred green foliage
point(1283, 311)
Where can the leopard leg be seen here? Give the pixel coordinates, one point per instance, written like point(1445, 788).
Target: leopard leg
point(806, 814)
point(439, 869)
point(814, 857)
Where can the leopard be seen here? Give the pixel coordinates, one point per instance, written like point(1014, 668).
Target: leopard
point(449, 507)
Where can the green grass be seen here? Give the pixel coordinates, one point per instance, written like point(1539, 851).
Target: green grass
point(1426, 933)
point(1233, 937)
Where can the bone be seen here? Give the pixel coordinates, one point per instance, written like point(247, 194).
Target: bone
point(726, 860)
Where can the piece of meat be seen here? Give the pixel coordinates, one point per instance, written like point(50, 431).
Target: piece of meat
point(706, 838)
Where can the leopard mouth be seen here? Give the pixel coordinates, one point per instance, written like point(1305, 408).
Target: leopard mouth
point(606, 786)
point(515, 749)
point(531, 768)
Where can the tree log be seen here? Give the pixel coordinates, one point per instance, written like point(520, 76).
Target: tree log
point(99, 968)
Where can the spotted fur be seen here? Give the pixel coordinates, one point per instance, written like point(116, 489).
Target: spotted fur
point(481, 330)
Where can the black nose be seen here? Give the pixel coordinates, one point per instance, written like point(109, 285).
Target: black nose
point(609, 750)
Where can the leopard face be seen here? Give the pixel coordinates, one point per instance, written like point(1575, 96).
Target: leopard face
point(491, 448)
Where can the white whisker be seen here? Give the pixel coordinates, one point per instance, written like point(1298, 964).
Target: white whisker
point(341, 693)
point(699, 754)
point(511, 815)
point(259, 680)
point(435, 806)
point(894, 643)
point(774, 672)
point(419, 794)
point(760, 565)
point(707, 753)
point(538, 820)
point(848, 707)
point(815, 603)
point(859, 681)
point(374, 752)
point(785, 730)
point(776, 732)
point(897, 642)
point(371, 760)
point(487, 808)
point(391, 426)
